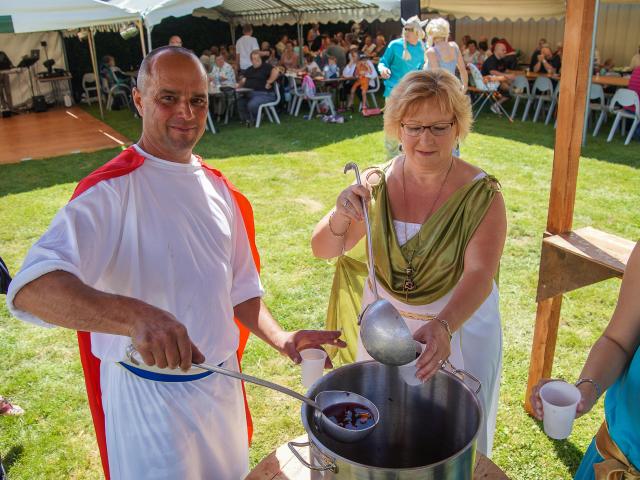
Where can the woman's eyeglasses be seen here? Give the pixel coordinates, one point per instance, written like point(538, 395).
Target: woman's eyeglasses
point(437, 129)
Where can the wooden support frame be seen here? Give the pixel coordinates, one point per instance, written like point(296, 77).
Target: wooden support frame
point(578, 31)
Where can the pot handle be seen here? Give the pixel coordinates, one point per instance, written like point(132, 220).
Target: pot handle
point(322, 468)
point(456, 371)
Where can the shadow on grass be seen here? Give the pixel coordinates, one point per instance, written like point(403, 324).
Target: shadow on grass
point(544, 135)
point(12, 457)
point(566, 451)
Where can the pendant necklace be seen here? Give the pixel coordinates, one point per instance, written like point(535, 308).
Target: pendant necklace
point(409, 284)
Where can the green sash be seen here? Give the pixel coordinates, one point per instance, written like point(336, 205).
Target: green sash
point(436, 253)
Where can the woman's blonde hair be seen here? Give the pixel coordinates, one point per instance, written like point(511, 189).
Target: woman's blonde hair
point(437, 28)
point(416, 87)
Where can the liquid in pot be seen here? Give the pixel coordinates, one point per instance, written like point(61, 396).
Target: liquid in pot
point(351, 416)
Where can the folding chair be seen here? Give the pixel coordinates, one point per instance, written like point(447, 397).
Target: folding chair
point(486, 91)
point(519, 89)
point(270, 108)
point(89, 86)
point(624, 97)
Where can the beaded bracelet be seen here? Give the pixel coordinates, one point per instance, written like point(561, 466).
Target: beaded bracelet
point(591, 381)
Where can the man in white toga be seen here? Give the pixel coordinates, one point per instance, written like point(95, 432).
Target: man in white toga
point(156, 249)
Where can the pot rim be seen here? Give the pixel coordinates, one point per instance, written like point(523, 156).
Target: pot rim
point(333, 457)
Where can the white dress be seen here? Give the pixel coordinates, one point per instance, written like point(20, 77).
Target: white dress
point(171, 235)
point(476, 347)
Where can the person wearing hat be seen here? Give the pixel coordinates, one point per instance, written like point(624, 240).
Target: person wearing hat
point(403, 55)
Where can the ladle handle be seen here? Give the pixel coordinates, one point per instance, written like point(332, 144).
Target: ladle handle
point(133, 356)
point(372, 272)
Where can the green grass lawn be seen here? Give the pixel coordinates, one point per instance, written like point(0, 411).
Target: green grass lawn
point(292, 174)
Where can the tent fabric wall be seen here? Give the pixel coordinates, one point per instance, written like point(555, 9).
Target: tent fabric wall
point(16, 45)
point(618, 34)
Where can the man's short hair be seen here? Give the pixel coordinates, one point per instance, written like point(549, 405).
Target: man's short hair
point(256, 53)
point(147, 63)
point(247, 28)
point(470, 42)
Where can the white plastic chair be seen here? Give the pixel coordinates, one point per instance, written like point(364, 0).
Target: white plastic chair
point(624, 97)
point(486, 91)
point(296, 96)
point(89, 85)
point(554, 103)
point(597, 93)
point(117, 90)
point(270, 108)
point(519, 89)
point(313, 102)
point(209, 124)
point(542, 91)
point(372, 91)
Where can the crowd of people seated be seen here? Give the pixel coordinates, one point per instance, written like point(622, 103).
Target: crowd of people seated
point(251, 63)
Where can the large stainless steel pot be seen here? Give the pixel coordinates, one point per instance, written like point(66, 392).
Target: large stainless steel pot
point(425, 432)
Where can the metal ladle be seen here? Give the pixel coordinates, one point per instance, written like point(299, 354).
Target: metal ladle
point(323, 400)
point(385, 335)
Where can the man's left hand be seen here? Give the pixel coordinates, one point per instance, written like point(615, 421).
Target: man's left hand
point(290, 343)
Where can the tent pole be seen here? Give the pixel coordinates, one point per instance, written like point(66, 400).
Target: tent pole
point(141, 30)
point(300, 39)
point(591, 61)
point(66, 62)
point(232, 30)
point(149, 44)
point(94, 64)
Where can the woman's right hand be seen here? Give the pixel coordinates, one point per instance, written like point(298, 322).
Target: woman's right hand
point(385, 72)
point(349, 202)
point(588, 398)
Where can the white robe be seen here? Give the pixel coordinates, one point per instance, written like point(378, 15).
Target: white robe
point(171, 235)
point(476, 347)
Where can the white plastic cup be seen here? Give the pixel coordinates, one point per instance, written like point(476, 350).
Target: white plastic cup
point(312, 365)
point(408, 371)
point(559, 402)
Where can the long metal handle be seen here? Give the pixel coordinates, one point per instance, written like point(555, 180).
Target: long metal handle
point(320, 468)
point(372, 272)
point(456, 371)
point(133, 356)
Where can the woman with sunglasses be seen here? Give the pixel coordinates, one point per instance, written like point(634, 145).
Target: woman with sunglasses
point(438, 229)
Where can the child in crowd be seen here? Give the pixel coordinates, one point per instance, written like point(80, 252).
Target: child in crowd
point(363, 72)
point(331, 69)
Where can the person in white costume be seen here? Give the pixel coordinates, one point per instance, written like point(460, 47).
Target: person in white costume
point(438, 230)
point(157, 254)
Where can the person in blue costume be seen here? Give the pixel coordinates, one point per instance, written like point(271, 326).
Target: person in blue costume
point(403, 55)
point(613, 365)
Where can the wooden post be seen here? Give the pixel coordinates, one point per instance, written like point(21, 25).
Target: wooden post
point(578, 28)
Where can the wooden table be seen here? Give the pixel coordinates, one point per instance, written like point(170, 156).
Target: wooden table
point(599, 79)
point(282, 465)
point(55, 86)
